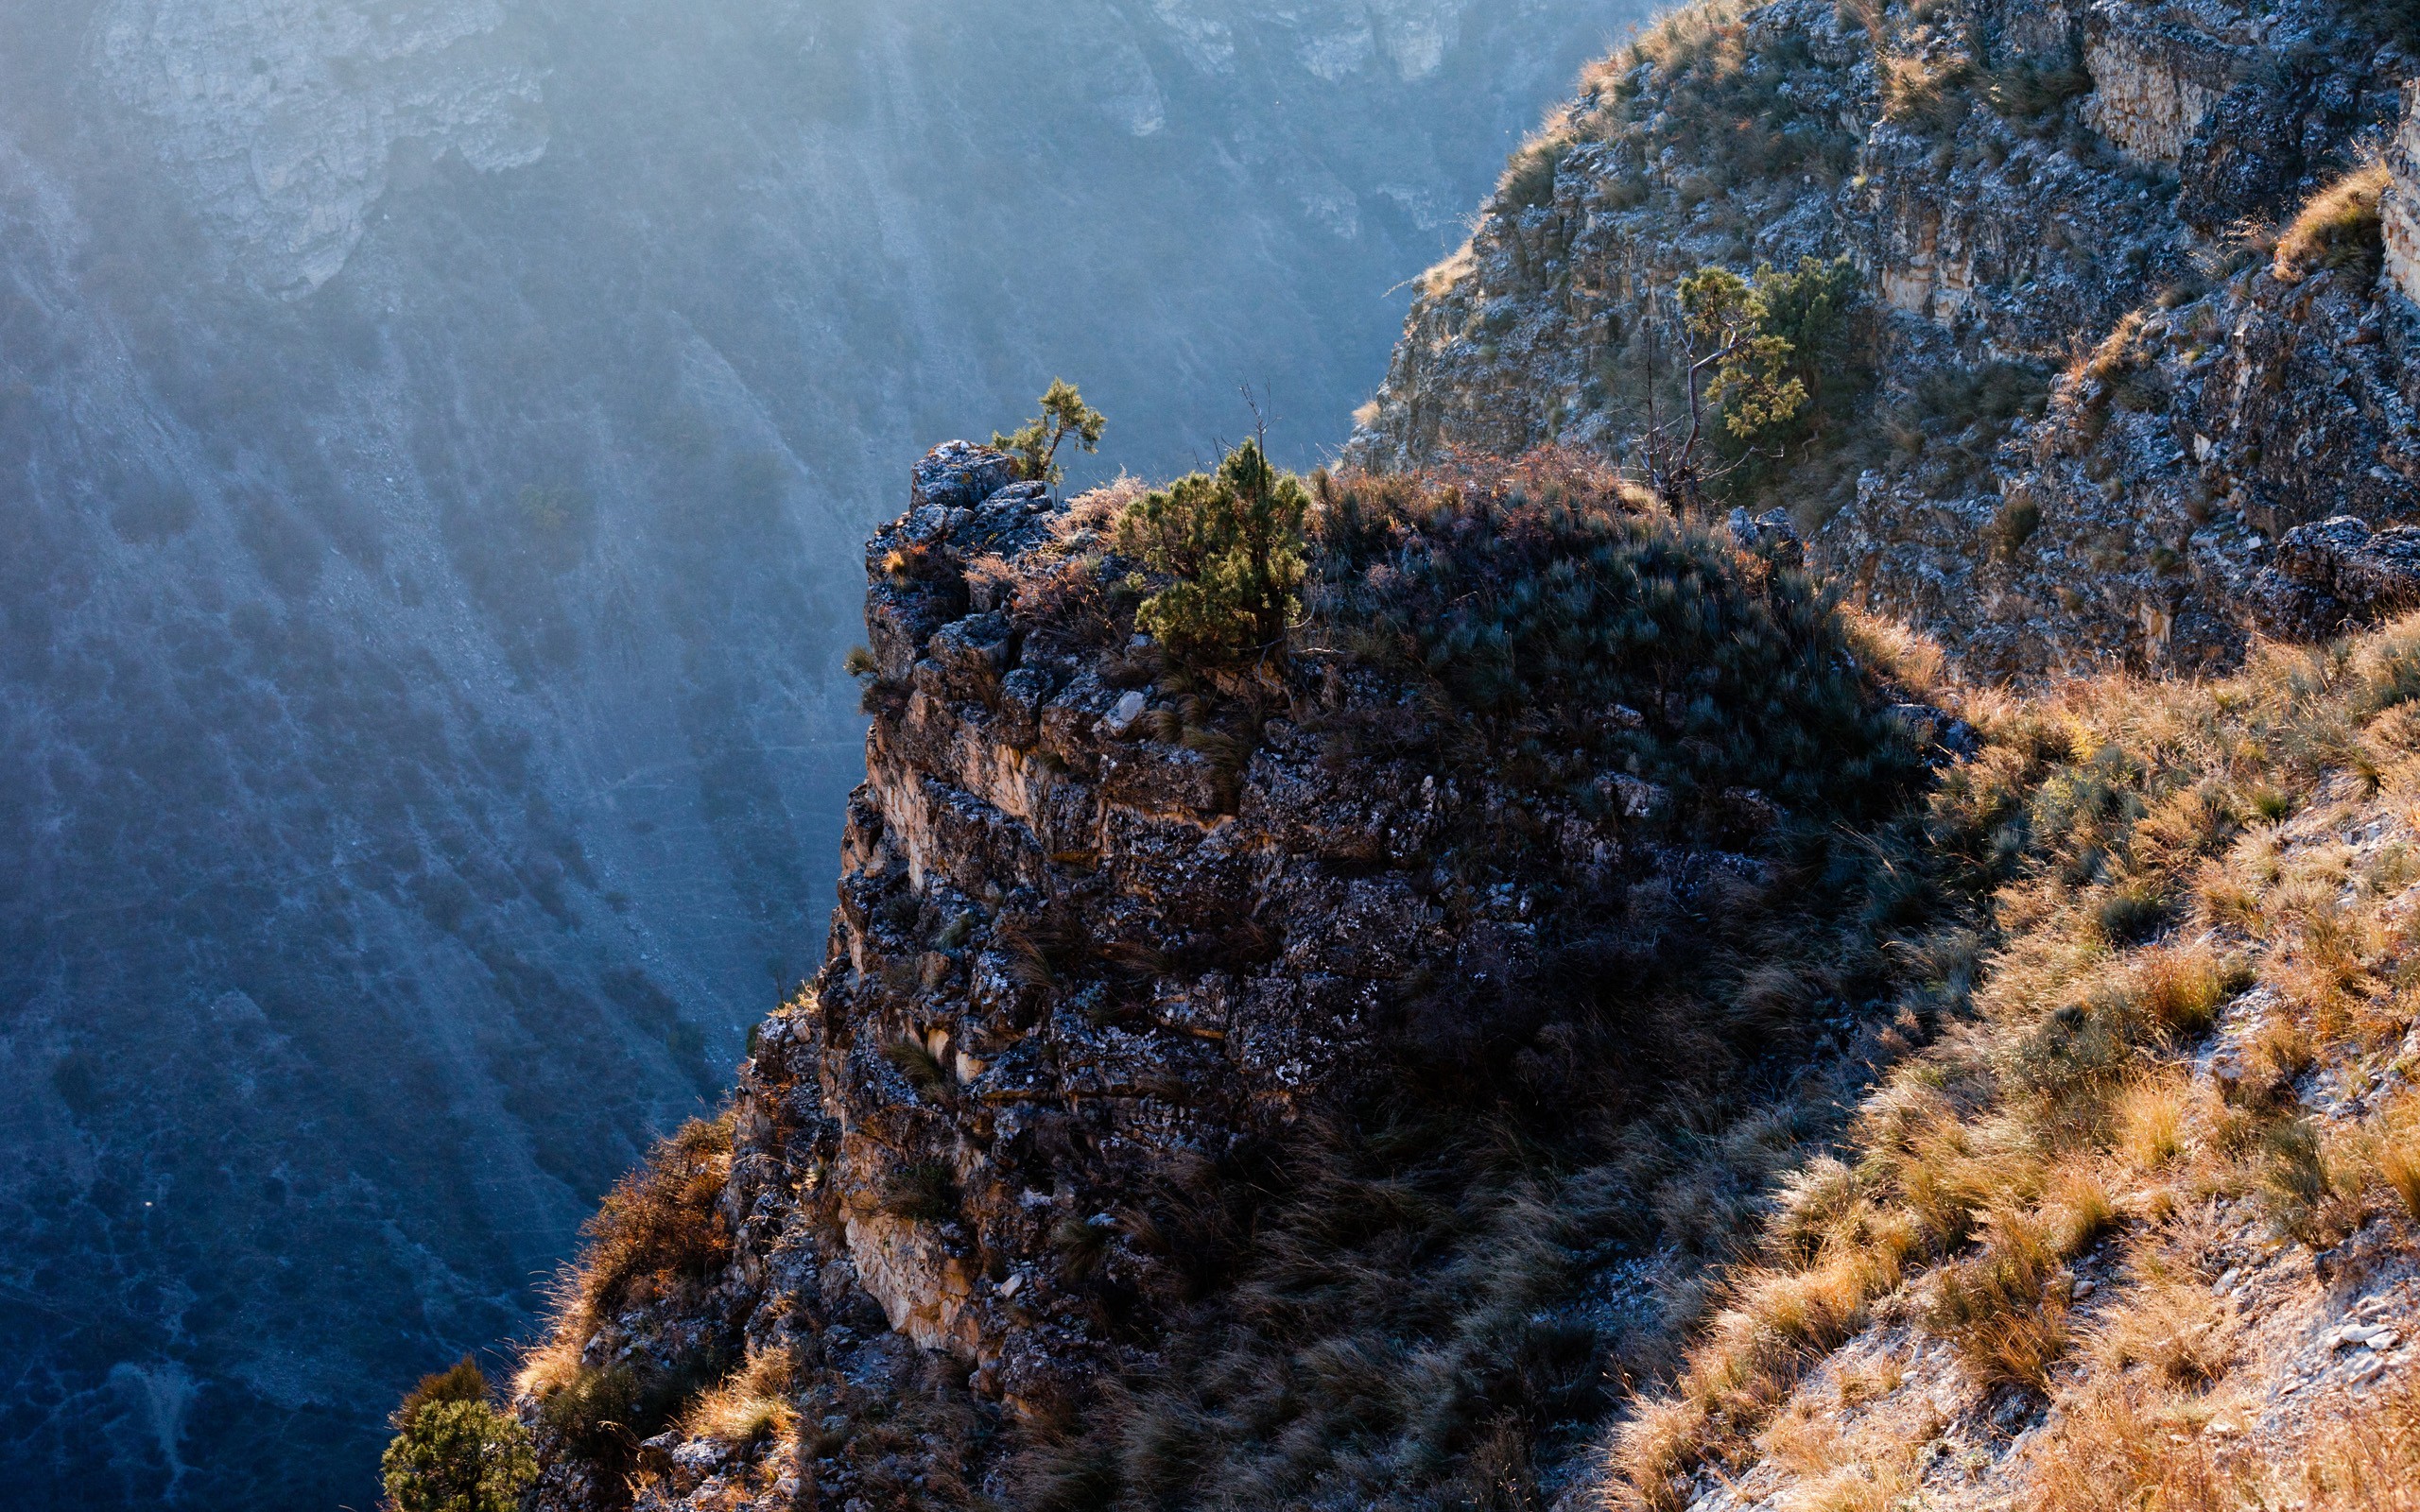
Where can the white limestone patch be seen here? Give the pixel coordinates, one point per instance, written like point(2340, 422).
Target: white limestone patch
point(2399, 208)
point(2141, 101)
point(1417, 34)
point(282, 117)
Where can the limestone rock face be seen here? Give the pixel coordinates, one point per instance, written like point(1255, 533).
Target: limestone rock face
point(1102, 940)
point(2152, 89)
point(1065, 962)
point(1083, 950)
point(2399, 209)
point(288, 116)
point(2075, 198)
point(436, 434)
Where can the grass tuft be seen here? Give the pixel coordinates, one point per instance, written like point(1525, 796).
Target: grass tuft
point(2336, 227)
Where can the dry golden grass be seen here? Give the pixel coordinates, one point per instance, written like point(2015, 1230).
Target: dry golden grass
point(1687, 32)
point(661, 1226)
point(548, 1368)
point(2151, 1113)
point(2180, 991)
point(2366, 1457)
point(2118, 352)
point(1442, 278)
point(2173, 1327)
point(1907, 656)
point(2398, 1152)
point(2337, 227)
point(2220, 802)
point(2122, 1447)
point(752, 1405)
point(1998, 1308)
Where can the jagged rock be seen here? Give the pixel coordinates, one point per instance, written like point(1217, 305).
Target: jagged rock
point(1937, 730)
point(2399, 210)
point(1998, 236)
point(1110, 923)
point(1770, 534)
point(2337, 574)
point(1072, 957)
point(960, 474)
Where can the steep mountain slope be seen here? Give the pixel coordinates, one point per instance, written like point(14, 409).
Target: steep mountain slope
point(1416, 1116)
point(435, 438)
point(2124, 317)
point(2142, 1228)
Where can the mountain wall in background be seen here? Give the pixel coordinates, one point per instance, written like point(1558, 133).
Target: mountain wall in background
point(435, 442)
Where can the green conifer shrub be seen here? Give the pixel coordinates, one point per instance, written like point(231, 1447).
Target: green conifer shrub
point(453, 1452)
point(1034, 446)
point(1225, 551)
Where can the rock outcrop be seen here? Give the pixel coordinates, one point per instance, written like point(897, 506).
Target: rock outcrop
point(1075, 952)
point(427, 563)
point(2334, 575)
point(2399, 210)
point(285, 116)
point(1112, 930)
point(2092, 404)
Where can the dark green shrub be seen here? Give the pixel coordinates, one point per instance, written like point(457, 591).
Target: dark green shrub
point(603, 1412)
point(453, 1452)
point(1537, 598)
point(2014, 526)
point(924, 1192)
point(1226, 552)
point(2033, 90)
point(2131, 912)
point(1792, 391)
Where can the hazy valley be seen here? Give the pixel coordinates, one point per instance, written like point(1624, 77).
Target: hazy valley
point(436, 440)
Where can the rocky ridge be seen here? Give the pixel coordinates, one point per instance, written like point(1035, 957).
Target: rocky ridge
point(2119, 1202)
point(2094, 395)
point(436, 436)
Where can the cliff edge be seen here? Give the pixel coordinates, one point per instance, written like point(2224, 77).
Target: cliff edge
point(1186, 1023)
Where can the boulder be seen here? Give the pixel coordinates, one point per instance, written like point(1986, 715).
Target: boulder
point(960, 475)
point(2334, 574)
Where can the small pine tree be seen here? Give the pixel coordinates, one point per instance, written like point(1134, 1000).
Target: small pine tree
point(1232, 542)
point(1035, 445)
point(1753, 377)
point(453, 1452)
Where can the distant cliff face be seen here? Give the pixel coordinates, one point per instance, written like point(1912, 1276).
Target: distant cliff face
point(2096, 391)
point(436, 439)
point(282, 121)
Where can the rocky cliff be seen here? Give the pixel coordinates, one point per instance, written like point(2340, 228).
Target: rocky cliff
point(1161, 1003)
point(2130, 314)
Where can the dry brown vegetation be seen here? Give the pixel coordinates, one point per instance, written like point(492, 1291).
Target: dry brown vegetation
point(658, 1237)
point(661, 1226)
point(2166, 849)
point(2338, 227)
